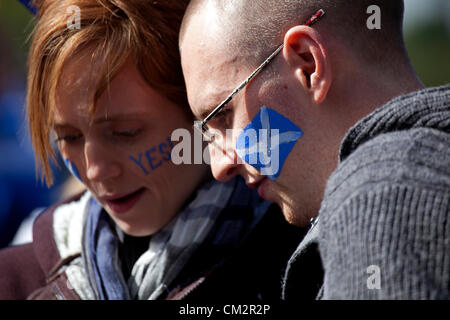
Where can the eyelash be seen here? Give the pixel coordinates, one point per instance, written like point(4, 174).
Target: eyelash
point(68, 138)
point(127, 134)
point(221, 117)
point(71, 139)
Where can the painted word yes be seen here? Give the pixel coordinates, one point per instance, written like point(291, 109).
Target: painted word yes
point(154, 162)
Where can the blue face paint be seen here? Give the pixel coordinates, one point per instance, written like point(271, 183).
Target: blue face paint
point(72, 168)
point(266, 142)
point(154, 157)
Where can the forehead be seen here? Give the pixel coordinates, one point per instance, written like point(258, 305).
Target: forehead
point(126, 93)
point(212, 69)
point(76, 85)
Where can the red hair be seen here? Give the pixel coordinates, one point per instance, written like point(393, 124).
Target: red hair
point(113, 30)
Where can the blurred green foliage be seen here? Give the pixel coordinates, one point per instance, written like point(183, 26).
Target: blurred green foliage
point(429, 49)
point(16, 24)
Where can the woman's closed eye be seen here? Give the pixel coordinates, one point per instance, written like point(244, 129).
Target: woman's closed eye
point(69, 138)
point(127, 133)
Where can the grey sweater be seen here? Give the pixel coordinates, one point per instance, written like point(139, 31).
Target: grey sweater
point(384, 229)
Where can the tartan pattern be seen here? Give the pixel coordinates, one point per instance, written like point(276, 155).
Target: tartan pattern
point(219, 214)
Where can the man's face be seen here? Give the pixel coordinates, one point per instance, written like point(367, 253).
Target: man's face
point(212, 72)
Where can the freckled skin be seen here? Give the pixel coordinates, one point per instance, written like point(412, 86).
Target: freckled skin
point(102, 153)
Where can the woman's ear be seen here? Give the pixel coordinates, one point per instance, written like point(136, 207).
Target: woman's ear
point(307, 57)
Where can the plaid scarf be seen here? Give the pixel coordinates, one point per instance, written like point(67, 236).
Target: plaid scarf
point(211, 216)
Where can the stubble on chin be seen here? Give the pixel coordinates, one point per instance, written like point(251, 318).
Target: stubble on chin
point(294, 212)
point(294, 215)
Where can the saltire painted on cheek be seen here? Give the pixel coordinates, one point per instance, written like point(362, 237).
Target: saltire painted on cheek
point(267, 141)
point(72, 168)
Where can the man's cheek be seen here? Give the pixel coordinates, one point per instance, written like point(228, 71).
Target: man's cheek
point(266, 142)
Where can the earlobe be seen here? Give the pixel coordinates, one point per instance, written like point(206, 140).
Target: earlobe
point(306, 54)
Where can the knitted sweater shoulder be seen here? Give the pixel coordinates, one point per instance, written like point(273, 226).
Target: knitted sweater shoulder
point(384, 221)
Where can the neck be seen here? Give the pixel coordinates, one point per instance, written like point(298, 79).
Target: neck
point(353, 99)
point(366, 92)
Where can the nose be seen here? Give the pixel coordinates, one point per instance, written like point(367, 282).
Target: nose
point(224, 163)
point(100, 165)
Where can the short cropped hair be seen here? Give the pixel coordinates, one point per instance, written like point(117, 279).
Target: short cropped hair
point(114, 30)
point(256, 27)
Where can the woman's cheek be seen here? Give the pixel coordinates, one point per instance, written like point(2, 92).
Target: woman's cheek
point(153, 158)
point(72, 168)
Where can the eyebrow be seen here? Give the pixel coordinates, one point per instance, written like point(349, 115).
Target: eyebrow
point(107, 118)
point(220, 96)
point(208, 111)
point(119, 117)
point(56, 126)
point(204, 113)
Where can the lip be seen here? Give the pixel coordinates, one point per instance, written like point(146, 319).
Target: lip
point(253, 185)
point(253, 181)
point(261, 187)
point(121, 204)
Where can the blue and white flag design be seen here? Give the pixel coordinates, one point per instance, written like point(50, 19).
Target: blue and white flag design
point(266, 142)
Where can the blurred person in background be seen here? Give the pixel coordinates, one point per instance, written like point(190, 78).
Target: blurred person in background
point(110, 93)
point(20, 193)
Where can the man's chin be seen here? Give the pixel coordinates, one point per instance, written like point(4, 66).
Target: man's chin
point(293, 216)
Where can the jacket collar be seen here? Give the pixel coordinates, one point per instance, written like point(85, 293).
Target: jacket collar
point(303, 278)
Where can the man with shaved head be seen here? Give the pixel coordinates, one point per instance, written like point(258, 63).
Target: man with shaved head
point(348, 139)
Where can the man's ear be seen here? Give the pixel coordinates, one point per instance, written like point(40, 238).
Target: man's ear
point(307, 57)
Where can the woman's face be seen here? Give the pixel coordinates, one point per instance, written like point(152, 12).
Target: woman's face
point(122, 153)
